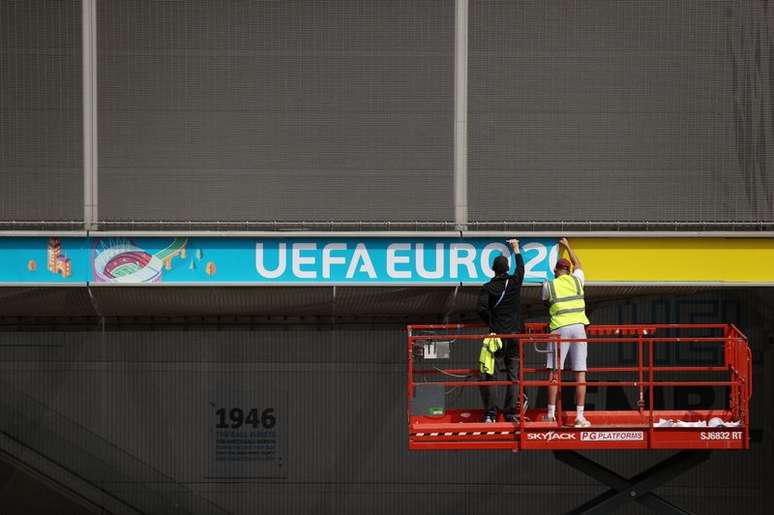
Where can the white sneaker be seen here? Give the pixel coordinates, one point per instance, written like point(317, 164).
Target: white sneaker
point(582, 422)
point(546, 418)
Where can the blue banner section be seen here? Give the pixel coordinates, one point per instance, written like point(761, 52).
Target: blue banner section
point(44, 260)
point(266, 261)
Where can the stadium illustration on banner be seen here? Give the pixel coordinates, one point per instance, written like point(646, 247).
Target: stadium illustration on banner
point(121, 261)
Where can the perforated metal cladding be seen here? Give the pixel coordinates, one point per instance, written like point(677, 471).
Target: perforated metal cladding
point(41, 129)
point(369, 303)
point(300, 110)
point(145, 393)
point(45, 302)
point(607, 110)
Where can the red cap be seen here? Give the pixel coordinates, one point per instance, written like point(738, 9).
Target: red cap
point(562, 263)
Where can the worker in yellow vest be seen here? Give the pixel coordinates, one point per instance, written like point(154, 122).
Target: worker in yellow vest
point(564, 296)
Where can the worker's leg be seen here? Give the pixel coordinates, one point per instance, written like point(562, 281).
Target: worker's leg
point(578, 353)
point(551, 363)
point(580, 390)
point(552, 389)
point(487, 396)
point(511, 362)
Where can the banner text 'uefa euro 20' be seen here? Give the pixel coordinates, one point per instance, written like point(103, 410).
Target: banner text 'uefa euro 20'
point(385, 261)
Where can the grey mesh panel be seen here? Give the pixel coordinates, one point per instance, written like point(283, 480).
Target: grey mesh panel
point(310, 110)
point(41, 129)
point(607, 110)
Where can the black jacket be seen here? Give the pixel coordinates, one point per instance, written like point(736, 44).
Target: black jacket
point(505, 317)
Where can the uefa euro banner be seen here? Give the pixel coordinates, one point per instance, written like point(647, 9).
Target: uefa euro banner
point(276, 261)
point(374, 261)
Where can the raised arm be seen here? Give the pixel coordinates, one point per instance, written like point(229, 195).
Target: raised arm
point(519, 273)
point(576, 262)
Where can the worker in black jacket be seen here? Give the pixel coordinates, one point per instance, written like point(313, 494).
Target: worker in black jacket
point(498, 307)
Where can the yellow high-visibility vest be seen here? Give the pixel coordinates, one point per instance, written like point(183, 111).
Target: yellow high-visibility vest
point(565, 294)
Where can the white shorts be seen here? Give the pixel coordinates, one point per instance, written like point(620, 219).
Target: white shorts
point(576, 350)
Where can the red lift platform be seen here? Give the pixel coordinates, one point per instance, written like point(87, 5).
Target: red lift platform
point(435, 426)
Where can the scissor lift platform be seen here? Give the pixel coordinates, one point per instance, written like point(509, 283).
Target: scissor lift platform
point(463, 429)
point(693, 432)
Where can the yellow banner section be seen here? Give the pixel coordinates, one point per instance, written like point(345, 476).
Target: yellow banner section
point(739, 260)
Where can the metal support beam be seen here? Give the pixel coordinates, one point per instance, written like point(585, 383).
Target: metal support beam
point(461, 114)
point(89, 53)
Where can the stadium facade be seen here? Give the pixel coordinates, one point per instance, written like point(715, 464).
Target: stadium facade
point(174, 175)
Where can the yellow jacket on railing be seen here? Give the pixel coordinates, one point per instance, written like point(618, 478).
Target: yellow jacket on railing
point(486, 358)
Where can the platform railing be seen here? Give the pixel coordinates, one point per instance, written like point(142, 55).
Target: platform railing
point(736, 362)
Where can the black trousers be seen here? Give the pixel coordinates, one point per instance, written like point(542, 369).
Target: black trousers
point(510, 356)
